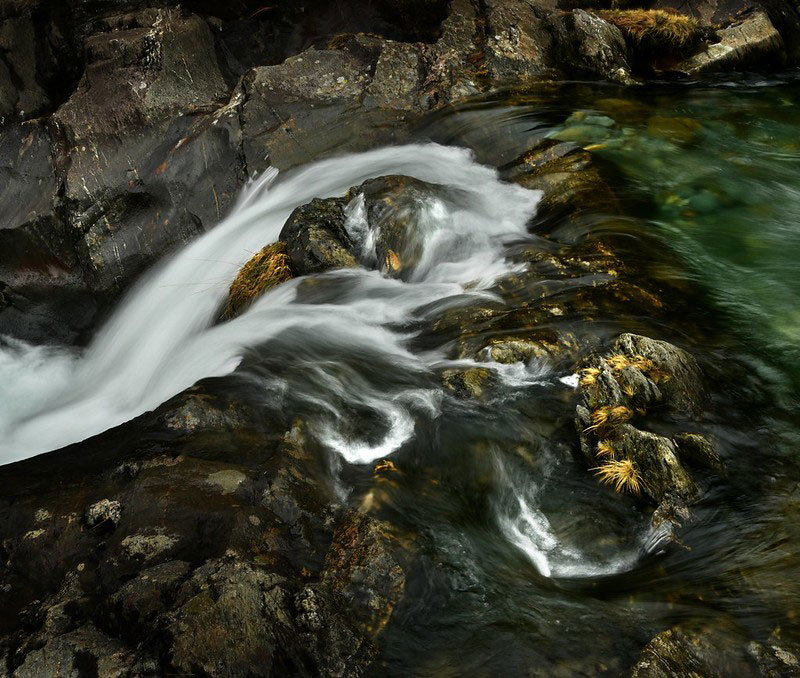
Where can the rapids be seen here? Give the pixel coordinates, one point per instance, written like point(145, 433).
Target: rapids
point(163, 338)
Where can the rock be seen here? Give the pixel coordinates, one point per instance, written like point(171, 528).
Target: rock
point(657, 460)
point(312, 104)
point(517, 41)
point(569, 182)
point(105, 511)
point(696, 449)
point(749, 43)
point(633, 382)
point(137, 603)
point(393, 206)
point(684, 391)
point(146, 546)
point(229, 618)
point(39, 62)
point(316, 238)
point(467, 383)
point(363, 565)
point(78, 653)
point(589, 44)
point(712, 650)
point(142, 171)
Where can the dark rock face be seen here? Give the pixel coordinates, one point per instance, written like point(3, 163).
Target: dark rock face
point(316, 239)
point(269, 573)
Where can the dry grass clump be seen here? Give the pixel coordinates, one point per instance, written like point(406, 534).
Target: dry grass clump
point(619, 362)
point(267, 268)
point(588, 377)
point(656, 30)
point(610, 416)
point(606, 449)
point(622, 474)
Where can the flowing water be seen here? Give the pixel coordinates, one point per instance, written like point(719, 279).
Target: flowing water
point(528, 565)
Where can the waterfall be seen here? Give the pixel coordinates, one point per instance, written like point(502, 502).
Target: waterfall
point(163, 337)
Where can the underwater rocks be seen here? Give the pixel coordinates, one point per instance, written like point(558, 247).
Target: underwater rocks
point(224, 549)
point(640, 383)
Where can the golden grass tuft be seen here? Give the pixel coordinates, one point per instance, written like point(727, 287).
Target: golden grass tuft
point(622, 474)
point(588, 377)
point(606, 449)
point(654, 29)
point(609, 416)
point(267, 268)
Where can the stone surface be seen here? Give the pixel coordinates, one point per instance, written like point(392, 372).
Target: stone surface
point(316, 238)
point(591, 45)
point(748, 43)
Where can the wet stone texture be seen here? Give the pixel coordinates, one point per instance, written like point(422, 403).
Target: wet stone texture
point(268, 570)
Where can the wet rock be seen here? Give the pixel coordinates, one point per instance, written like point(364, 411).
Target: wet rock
point(141, 170)
point(137, 603)
point(195, 410)
point(684, 392)
point(399, 73)
point(364, 567)
point(466, 383)
point(628, 386)
point(749, 43)
point(316, 238)
point(569, 182)
point(714, 650)
point(394, 206)
point(312, 104)
point(104, 512)
point(589, 44)
point(696, 449)
point(657, 460)
point(229, 618)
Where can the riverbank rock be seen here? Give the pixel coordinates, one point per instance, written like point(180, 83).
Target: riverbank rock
point(747, 43)
point(269, 570)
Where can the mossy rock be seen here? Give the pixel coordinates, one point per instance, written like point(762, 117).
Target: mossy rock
point(268, 268)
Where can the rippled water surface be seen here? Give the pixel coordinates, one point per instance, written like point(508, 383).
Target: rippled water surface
point(527, 565)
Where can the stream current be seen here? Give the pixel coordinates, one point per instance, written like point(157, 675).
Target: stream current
point(528, 561)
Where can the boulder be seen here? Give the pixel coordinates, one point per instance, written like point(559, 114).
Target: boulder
point(316, 238)
point(748, 43)
point(588, 44)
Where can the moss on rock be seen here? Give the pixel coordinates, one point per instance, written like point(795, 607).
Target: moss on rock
point(265, 270)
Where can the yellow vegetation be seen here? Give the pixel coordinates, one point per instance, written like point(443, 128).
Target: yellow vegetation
point(267, 268)
point(622, 474)
point(610, 416)
point(654, 29)
point(619, 362)
point(589, 376)
point(606, 449)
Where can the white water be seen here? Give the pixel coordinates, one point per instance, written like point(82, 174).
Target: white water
point(162, 339)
